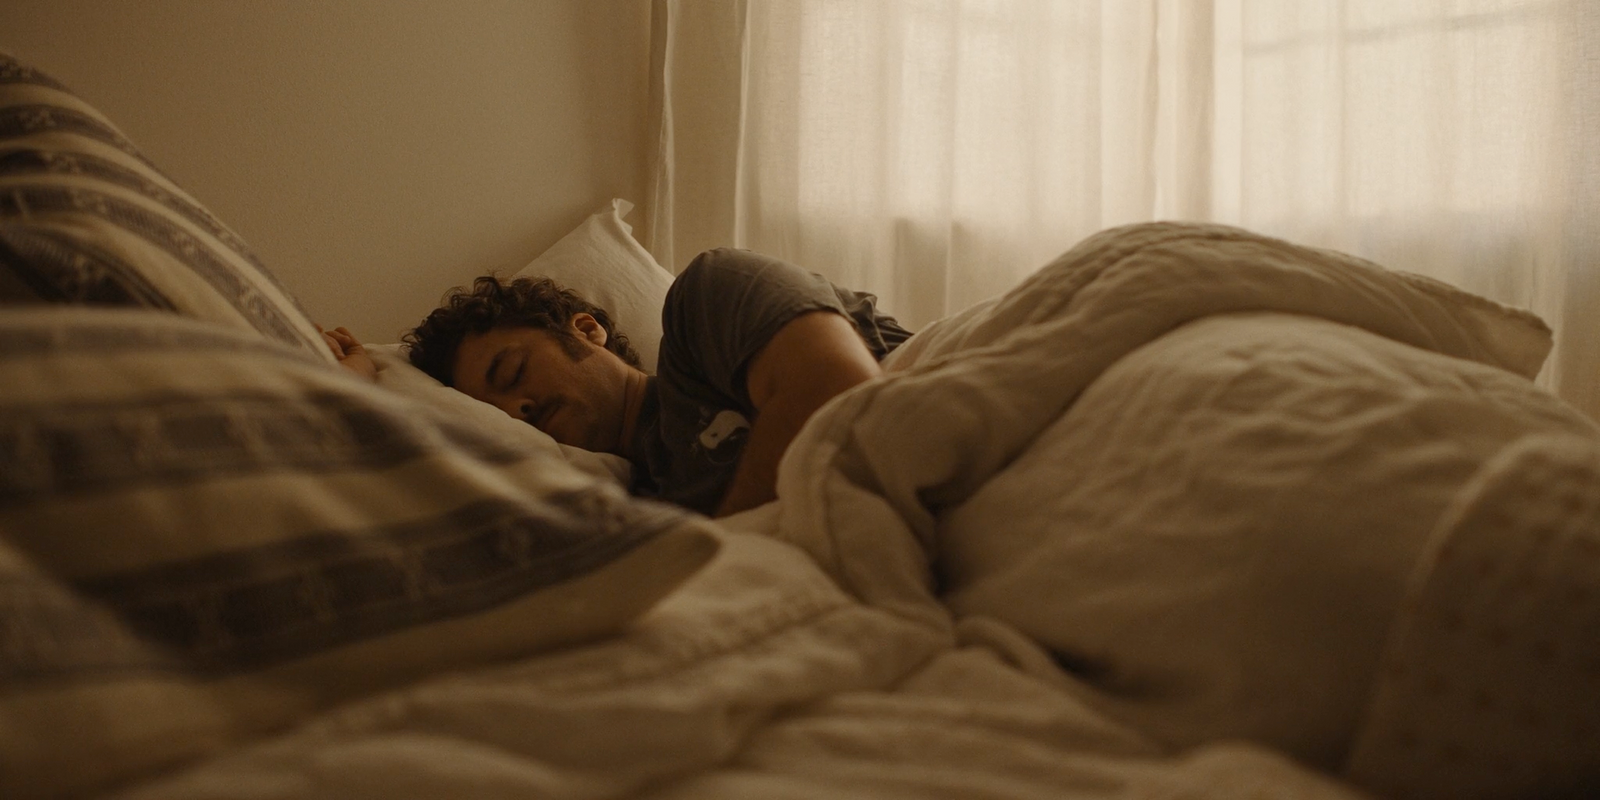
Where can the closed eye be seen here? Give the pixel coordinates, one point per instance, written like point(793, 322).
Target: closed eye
point(516, 377)
point(500, 378)
point(494, 367)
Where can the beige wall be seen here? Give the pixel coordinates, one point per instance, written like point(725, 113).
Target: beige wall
point(374, 152)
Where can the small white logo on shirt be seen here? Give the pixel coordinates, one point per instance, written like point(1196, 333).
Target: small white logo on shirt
point(723, 425)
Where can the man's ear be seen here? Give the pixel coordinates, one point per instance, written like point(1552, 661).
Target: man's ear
point(589, 328)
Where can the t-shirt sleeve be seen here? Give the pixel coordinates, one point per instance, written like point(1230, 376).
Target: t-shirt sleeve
point(724, 308)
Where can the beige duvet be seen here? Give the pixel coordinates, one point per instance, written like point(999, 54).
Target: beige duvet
point(1191, 513)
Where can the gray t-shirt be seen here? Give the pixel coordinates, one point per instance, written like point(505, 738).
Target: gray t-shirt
point(720, 312)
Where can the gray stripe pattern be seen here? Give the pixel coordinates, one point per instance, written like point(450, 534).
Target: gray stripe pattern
point(155, 332)
point(247, 609)
point(48, 632)
point(50, 451)
point(36, 161)
point(39, 201)
point(20, 120)
point(242, 610)
point(71, 428)
point(13, 71)
point(62, 269)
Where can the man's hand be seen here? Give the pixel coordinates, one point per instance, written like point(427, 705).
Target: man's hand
point(351, 354)
point(814, 357)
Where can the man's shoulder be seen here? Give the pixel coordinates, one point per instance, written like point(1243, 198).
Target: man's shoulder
point(704, 276)
point(735, 285)
point(711, 267)
point(725, 306)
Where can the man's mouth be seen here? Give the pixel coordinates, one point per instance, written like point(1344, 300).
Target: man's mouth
point(542, 413)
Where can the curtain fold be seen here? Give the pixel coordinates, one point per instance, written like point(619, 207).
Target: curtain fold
point(697, 93)
point(934, 152)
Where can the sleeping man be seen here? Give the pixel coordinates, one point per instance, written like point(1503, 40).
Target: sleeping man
point(751, 346)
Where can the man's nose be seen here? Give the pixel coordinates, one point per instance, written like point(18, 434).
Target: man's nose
point(516, 409)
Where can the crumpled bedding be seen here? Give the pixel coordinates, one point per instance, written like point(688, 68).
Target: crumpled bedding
point(1206, 470)
point(760, 678)
point(1174, 519)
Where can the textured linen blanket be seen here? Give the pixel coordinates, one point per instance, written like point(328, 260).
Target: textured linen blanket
point(1190, 513)
point(1243, 490)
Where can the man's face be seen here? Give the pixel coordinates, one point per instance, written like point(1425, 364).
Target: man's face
point(575, 391)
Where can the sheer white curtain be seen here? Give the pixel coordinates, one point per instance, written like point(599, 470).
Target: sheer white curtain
point(936, 151)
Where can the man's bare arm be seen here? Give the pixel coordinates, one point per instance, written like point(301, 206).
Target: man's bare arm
point(811, 359)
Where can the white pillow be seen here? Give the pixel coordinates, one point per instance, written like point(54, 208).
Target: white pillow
point(601, 261)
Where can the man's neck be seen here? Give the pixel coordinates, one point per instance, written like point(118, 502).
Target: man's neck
point(638, 385)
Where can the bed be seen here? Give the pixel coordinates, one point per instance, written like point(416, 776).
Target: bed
point(1190, 513)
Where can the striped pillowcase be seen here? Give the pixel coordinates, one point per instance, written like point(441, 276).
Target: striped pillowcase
point(205, 536)
point(85, 219)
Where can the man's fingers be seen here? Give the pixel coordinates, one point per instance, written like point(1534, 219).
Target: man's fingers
point(333, 344)
point(342, 342)
point(347, 339)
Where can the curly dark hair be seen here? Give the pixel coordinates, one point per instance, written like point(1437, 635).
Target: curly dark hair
point(490, 303)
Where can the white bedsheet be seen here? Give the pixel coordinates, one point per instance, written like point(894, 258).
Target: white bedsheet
point(760, 678)
point(1204, 467)
point(1057, 468)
